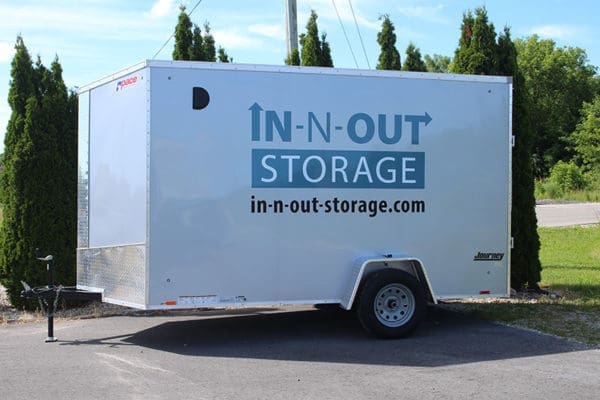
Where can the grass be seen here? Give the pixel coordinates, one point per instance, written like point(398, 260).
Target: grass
point(571, 262)
point(545, 190)
point(584, 196)
point(571, 268)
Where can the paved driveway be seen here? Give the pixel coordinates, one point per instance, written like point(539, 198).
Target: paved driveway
point(278, 354)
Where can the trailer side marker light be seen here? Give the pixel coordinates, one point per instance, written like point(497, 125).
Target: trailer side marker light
point(484, 292)
point(171, 303)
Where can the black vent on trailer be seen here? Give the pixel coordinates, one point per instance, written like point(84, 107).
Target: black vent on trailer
point(200, 98)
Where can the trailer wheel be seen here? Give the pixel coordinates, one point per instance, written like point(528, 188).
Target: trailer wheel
point(391, 303)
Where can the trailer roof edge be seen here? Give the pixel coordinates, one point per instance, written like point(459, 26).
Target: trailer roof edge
point(295, 69)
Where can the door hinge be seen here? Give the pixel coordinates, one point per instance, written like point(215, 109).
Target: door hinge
point(512, 242)
point(512, 141)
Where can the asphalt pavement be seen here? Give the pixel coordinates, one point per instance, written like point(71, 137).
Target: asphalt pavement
point(292, 353)
point(567, 214)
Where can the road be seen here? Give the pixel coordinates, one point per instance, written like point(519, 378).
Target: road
point(278, 354)
point(568, 214)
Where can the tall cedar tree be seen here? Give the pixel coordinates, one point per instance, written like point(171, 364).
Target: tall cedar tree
point(191, 45)
point(476, 53)
point(315, 52)
point(210, 54)
point(184, 37)
point(38, 186)
point(222, 55)
point(525, 263)
point(389, 58)
point(413, 60)
point(196, 49)
point(326, 60)
point(479, 53)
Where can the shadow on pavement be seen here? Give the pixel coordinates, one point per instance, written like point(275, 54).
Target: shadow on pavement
point(444, 338)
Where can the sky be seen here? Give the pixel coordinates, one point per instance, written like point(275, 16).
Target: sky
point(94, 38)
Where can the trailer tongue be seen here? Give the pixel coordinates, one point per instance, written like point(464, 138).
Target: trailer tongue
point(49, 295)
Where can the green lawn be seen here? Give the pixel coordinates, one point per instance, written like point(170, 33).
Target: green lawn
point(571, 268)
point(571, 262)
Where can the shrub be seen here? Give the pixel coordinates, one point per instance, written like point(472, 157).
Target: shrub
point(552, 190)
point(567, 176)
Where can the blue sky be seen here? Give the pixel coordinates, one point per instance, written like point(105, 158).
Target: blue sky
point(94, 38)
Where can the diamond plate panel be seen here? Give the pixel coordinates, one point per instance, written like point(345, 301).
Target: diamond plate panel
point(119, 270)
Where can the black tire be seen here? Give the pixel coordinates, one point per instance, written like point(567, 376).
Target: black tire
point(391, 303)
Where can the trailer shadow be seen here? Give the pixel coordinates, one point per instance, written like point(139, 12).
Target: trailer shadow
point(444, 338)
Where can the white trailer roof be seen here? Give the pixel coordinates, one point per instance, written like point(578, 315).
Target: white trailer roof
point(294, 69)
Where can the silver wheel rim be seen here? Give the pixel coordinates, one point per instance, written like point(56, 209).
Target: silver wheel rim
point(394, 305)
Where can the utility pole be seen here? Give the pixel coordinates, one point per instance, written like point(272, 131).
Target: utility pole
point(291, 26)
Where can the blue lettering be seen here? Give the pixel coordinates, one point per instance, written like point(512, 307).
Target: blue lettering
point(325, 133)
point(369, 128)
point(284, 130)
point(383, 132)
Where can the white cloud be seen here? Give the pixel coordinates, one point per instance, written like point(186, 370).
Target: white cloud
point(6, 51)
point(326, 10)
point(232, 39)
point(427, 13)
point(161, 8)
point(556, 31)
point(274, 31)
point(94, 22)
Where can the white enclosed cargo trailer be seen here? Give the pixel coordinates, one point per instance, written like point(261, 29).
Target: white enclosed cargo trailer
point(220, 185)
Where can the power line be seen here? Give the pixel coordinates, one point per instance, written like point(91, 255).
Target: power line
point(173, 34)
point(345, 35)
point(359, 35)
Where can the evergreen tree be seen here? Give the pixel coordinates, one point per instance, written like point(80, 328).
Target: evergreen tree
point(197, 47)
point(389, 58)
point(293, 58)
point(60, 109)
point(525, 263)
point(222, 55)
point(208, 47)
point(191, 45)
point(437, 63)
point(183, 36)
point(477, 46)
point(21, 87)
point(413, 60)
point(326, 60)
point(38, 189)
point(21, 90)
point(315, 51)
point(310, 42)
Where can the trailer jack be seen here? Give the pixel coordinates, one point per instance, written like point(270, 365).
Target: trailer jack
point(48, 296)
